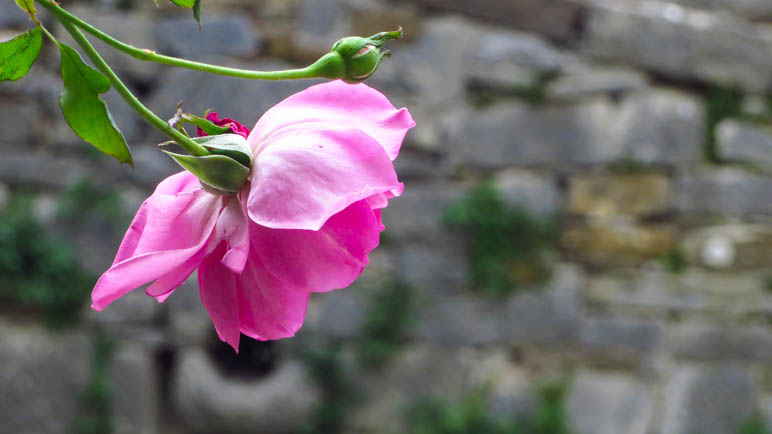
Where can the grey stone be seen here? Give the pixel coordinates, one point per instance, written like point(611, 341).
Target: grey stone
point(150, 166)
point(552, 18)
point(661, 127)
point(743, 142)
point(189, 323)
point(516, 134)
point(510, 385)
point(136, 393)
point(222, 35)
point(503, 60)
point(714, 342)
point(38, 169)
point(754, 9)
point(134, 307)
point(549, 315)
point(5, 195)
point(681, 43)
point(722, 295)
point(42, 374)
point(21, 129)
point(435, 267)
point(418, 371)
point(725, 191)
point(207, 401)
point(429, 72)
point(592, 82)
point(602, 403)
point(231, 97)
point(418, 213)
point(133, 28)
point(319, 24)
point(12, 16)
point(537, 193)
point(708, 400)
point(625, 335)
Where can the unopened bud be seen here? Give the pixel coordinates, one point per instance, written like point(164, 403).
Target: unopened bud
point(354, 59)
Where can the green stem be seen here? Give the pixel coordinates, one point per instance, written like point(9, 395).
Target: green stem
point(312, 71)
point(191, 146)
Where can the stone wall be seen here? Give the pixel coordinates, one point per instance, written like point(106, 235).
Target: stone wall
point(643, 125)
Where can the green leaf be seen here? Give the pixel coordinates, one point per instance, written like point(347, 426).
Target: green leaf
point(230, 145)
point(197, 12)
point(86, 113)
point(218, 171)
point(19, 54)
point(184, 3)
point(27, 6)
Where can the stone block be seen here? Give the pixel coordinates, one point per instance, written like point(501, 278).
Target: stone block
point(589, 82)
point(616, 242)
point(42, 375)
point(221, 35)
point(622, 335)
point(681, 43)
point(552, 18)
point(547, 315)
point(722, 295)
point(708, 400)
point(742, 142)
point(716, 342)
point(418, 213)
point(136, 391)
point(728, 192)
point(603, 403)
point(758, 10)
point(535, 192)
point(638, 194)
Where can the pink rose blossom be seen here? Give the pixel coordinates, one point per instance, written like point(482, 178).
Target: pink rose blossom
point(321, 171)
point(235, 127)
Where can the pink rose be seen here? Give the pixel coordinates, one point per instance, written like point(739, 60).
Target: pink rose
point(305, 222)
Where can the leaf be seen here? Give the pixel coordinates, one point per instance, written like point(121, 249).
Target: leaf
point(86, 113)
point(197, 12)
point(184, 3)
point(27, 6)
point(19, 54)
point(221, 172)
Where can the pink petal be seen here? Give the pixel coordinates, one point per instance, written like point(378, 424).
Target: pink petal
point(307, 174)
point(268, 307)
point(233, 227)
point(169, 231)
point(217, 286)
point(323, 260)
point(338, 104)
point(181, 182)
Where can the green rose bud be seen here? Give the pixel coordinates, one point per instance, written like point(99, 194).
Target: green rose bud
point(354, 59)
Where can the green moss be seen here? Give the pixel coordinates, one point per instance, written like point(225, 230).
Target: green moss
point(37, 270)
point(95, 415)
point(720, 103)
point(388, 319)
point(471, 415)
point(754, 425)
point(507, 246)
point(674, 261)
point(327, 371)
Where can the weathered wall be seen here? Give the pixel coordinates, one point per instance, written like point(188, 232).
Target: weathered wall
point(613, 115)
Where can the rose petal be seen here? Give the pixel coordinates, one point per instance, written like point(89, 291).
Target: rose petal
point(338, 104)
point(306, 175)
point(323, 260)
point(268, 307)
point(217, 286)
point(232, 226)
point(174, 229)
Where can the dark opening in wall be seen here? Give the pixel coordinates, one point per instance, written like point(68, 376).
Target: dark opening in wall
point(255, 359)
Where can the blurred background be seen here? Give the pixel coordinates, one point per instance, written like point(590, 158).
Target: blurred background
point(583, 245)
